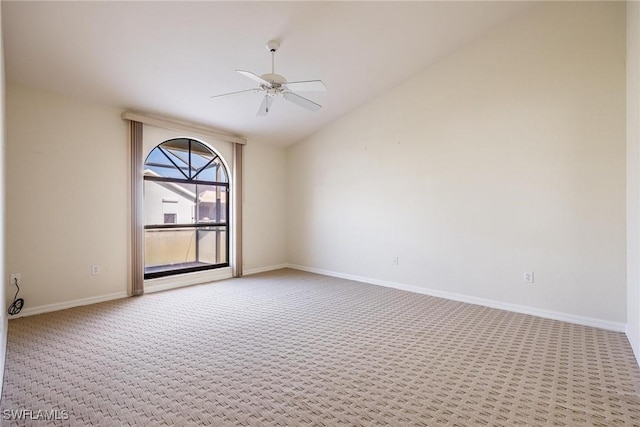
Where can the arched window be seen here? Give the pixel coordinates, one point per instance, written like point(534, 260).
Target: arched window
point(186, 209)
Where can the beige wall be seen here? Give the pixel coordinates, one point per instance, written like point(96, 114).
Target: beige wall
point(68, 198)
point(506, 157)
point(3, 299)
point(633, 176)
point(264, 206)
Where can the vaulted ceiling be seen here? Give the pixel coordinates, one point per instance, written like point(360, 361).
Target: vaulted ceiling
point(168, 58)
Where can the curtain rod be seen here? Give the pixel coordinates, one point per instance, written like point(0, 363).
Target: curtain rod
point(182, 126)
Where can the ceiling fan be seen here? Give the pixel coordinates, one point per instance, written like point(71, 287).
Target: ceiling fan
point(273, 85)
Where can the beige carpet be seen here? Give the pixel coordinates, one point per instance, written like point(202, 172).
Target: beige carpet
point(289, 348)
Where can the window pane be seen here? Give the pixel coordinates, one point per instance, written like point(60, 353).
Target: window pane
point(178, 151)
point(215, 172)
point(162, 198)
point(212, 203)
point(183, 248)
point(169, 249)
point(200, 155)
point(212, 245)
point(157, 164)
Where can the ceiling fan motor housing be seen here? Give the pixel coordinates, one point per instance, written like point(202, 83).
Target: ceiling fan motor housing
point(274, 79)
point(273, 45)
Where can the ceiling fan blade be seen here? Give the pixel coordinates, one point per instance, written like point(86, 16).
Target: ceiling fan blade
point(236, 93)
point(303, 102)
point(306, 86)
point(265, 107)
point(254, 77)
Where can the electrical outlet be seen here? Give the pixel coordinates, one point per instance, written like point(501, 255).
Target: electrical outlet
point(16, 279)
point(528, 277)
point(95, 270)
point(395, 260)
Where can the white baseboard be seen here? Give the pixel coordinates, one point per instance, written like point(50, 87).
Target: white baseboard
point(150, 286)
point(189, 279)
point(547, 314)
point(68, 304)
point(251, 271)
point(172, 283)
point(633, 342)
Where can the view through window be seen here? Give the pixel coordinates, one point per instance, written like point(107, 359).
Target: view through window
point(186, 209)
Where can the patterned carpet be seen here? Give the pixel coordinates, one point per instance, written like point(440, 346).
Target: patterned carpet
point(289, 348)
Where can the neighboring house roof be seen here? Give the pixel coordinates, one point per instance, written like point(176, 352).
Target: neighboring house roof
point(207, 196)
point(172, 186)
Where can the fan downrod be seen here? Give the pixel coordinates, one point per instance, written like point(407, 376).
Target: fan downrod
point(276, 80)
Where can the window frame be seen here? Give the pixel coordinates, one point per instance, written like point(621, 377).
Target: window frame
point(197, 225)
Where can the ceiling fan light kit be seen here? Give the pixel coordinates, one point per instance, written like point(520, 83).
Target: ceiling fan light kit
point(273, 85)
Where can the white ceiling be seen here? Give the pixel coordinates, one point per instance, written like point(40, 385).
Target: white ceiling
point(168, 58)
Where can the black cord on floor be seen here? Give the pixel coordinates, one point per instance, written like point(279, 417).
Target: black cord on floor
point(17, 303)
